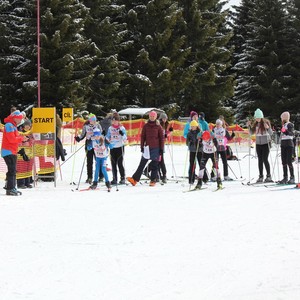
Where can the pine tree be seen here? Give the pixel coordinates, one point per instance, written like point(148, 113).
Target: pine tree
point(208, 38)
point(154, 52)
point(265, 59)
point(103, 29)
point(66, 66)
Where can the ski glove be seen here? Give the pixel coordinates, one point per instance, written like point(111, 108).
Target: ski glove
point(77, 139)
point(232, 134)
point(161, 151)
point(103, 132)
point(142, 149)
point(121, 132)
point(171, 129)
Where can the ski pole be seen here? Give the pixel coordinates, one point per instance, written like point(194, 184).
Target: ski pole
point(81, 171)
point(194, 164)
point(72, 155)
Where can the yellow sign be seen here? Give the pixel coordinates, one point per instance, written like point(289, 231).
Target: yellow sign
point(67, 114)
point(44, 120)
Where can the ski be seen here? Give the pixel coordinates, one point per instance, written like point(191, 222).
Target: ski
point(219, 189)
point(88, 189)
point(194, 190)
point(278, 185)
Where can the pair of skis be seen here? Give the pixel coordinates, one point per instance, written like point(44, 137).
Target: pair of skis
point(203, 188)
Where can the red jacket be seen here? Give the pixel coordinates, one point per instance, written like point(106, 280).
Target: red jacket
point(152, 135)
point(11, 138)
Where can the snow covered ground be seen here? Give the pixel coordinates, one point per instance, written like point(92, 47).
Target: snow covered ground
point(151, 243)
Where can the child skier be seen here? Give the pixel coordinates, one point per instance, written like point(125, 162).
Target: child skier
point(210, 145)
point(101, 149)
point(222, 135)
point(116, 134)
point(287, 147)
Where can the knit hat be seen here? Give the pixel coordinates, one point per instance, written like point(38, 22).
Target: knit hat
point(17, 115)
point(193, 113)
point(258, 114)
point(202, 114)
point(153, 113)
point(285, 116)
point(206, 135)
point(194, 123)
point(163, 116)
point(97, 131)
point(92, 117)
point(219, 122)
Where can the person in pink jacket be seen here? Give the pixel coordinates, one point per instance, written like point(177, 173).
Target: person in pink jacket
point(10, 142)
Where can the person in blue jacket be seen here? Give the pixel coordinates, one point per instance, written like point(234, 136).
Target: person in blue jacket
point(187, 127)
point(202, 122)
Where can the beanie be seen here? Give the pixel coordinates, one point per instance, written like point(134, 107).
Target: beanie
point(153, 113)
point(194, 123)
point(206, 135)
point(193, 113)
point(285, 116)
point(96, 131)
point(258, 114)
point(92, 117)
point(202, 114)
point(163, 116)
point(219, 122)
point(17, 115)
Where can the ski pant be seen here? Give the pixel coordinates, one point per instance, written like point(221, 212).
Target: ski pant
point(100, 165)
point(162, 170)
point(193, 157)
point(116, 158)
point(224, 161)
point(154, 156)
point(204, 159)
point(262, 155)
point(286, 159)
point(11, 162)
point(90, 155)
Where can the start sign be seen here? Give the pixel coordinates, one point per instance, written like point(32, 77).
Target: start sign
point(44, 120)
point(67, 114)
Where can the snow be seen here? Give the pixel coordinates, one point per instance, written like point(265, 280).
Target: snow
point(151, 243)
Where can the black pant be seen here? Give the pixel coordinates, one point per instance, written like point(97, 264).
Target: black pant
point(224, 161)
point(262, 155)
point(286, 159)
point(11, 162)
point(162, 170)
point(193, 157)
point(116, 158)
point(204, 159)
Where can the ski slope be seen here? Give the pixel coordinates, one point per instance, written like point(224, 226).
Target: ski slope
point(152, 243)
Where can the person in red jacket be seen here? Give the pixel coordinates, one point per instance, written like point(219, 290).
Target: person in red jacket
point(152, 137)
point(10, 142)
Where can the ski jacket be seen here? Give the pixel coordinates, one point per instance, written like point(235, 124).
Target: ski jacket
point(88, 132)
point(261, 137)
point(152, 135)
point(222, 135)
point(192, 140)
point(101, 151)
point(287, 134)
point(114, 136)
point(11, 138)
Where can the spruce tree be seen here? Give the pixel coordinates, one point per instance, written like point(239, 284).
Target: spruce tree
point(208, 38)
point(154, 52)
point(106, 33)
point(66, 66)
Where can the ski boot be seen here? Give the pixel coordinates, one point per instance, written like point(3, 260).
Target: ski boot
point(13, 192)
point(283, 181)
point(227, 178)
point(89, 180)
point(260, 179)
point(268, 179)
point(164, 179)
point(107, 183)
point(292, 180)
point(122, 181)
point(219, 183)
point(199, 184)
point(94, 185)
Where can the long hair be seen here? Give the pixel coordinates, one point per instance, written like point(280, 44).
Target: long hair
point(261, 125)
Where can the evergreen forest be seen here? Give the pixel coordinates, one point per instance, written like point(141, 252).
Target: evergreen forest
point(177, 55)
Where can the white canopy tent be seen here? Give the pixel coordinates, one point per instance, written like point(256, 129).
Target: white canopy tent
point(138, 111)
